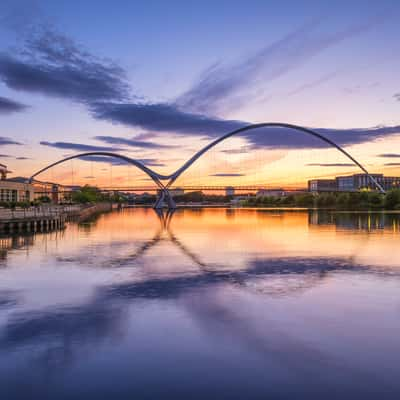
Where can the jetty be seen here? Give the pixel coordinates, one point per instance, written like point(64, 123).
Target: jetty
point(44, 219)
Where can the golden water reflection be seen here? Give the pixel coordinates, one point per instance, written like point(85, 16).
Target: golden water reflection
point(257, 301)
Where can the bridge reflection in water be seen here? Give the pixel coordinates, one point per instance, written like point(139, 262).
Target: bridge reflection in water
point(270, 290)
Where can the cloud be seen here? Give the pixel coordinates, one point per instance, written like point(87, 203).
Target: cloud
point(389, 155)
point(132, 142)
point(79, 146)
point(53, 65)
point(330, 165)
point(392, 164)
point(241, 150)
point(8, 106)
point(167, 118)
point(397, 96)
point(4, 141)
point(162, 117)
point(150, 162)
point(17, 158)
point(288, 138)
point(222, 87)
point(311, 85)
point(227, 175)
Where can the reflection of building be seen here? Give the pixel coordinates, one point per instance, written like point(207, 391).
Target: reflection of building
point(14, 191)
point(353, 183)
point(229, 191)
point(356, 221)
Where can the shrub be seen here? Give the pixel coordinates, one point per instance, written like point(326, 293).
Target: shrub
point(392, 199)
point(305, 200)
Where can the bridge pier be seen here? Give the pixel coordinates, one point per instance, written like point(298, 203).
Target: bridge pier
point(164, 199)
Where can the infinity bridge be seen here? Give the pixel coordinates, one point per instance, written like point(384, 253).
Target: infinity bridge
point(165, 182)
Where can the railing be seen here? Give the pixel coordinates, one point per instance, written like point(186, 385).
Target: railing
point(38, 212)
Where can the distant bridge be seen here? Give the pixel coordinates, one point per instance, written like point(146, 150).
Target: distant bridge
point(185, 188)
point(165, 196)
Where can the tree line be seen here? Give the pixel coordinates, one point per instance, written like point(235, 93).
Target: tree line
point(364, 200)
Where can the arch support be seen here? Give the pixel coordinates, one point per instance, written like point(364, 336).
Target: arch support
point(164, 194)
point(187, 164)
point(164, 197)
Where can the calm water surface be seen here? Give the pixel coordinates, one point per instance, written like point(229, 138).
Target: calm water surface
point(212, 303)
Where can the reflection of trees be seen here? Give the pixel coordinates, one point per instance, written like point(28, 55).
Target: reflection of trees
point(361, 221)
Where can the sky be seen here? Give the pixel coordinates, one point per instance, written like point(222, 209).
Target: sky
point(157, 81)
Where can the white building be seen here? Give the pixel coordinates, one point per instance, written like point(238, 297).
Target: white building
point(11, 191)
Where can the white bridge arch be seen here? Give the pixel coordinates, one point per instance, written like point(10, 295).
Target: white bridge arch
point(164, 194)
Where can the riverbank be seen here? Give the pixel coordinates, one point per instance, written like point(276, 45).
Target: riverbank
point(47, 218)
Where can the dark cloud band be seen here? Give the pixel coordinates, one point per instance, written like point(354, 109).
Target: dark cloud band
point(78, 146)
point(168, 118)
point(330, 165)
point(4, 141)
point(389, 155)
point(149, 162)
point(227, 175)
point(52, 64)
point(132, 142)
point(8, 106)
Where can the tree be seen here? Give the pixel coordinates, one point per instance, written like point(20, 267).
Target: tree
point(343, 200)
point(305, 200)
point(87, 194)
point(375, 199)
point(326, 200)
point(392, 199)
point(44, 199)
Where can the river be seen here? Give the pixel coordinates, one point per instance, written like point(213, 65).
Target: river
point(203, 304)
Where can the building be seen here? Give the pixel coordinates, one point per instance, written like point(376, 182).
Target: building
point(270, 193)
point(229, 191)
point(357, 182)
point(14, 191)
point(391, 182)
point(322, 185)
point(353, 183)
point(55, 192)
